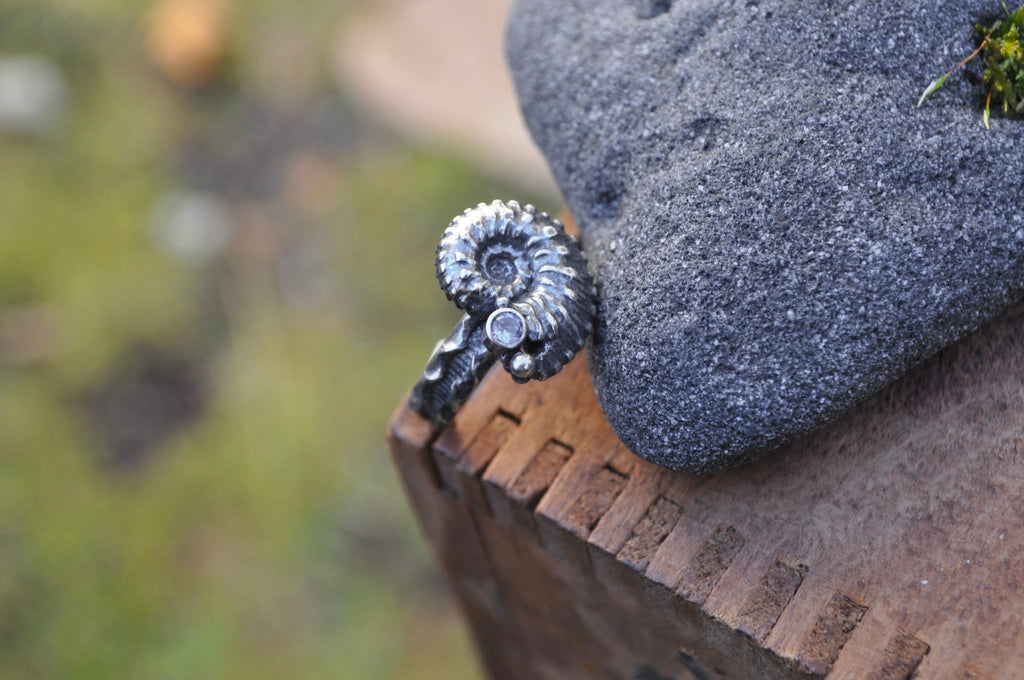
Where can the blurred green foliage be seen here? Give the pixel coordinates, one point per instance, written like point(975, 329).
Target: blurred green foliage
point(266, 536)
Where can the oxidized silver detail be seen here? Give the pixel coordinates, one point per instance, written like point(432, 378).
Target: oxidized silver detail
point(528, 298)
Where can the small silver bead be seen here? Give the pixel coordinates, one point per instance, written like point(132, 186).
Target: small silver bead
point(522, 365)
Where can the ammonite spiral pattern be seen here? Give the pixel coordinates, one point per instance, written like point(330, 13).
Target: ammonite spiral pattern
point(528, 298)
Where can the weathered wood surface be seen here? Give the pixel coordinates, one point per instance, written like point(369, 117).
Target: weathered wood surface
point(887, 546)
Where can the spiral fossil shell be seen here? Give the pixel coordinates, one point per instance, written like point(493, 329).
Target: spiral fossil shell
point(500, 255)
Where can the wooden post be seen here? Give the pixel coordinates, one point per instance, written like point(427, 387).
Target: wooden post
point(888, 545)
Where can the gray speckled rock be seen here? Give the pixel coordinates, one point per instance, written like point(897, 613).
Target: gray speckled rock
point(775, 230)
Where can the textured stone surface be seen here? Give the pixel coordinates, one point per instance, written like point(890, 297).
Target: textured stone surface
point(776, 231)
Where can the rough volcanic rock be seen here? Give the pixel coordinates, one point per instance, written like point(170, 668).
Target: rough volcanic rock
point(775, 229)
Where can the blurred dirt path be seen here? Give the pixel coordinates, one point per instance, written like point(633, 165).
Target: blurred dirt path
point(435, 69)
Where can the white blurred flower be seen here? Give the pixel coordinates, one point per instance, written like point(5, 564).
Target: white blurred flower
point(33, 94)
point(192, 226)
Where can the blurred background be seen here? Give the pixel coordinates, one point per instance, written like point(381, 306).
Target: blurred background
point(217, 224)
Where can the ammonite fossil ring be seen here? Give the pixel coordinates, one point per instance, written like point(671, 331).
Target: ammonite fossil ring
point(528, 297)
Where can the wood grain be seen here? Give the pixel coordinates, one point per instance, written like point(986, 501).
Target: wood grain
point(888, 545)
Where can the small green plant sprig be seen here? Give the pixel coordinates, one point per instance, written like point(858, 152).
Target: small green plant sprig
point(1004, 64)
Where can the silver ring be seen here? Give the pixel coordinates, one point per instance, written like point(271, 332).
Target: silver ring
point(528, 299)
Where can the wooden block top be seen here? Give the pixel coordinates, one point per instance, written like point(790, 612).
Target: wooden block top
point(888, 544)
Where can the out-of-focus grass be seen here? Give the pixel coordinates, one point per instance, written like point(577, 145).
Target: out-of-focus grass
point(267, 537)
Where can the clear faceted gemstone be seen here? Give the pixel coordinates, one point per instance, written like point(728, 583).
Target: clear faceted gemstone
point(506, 328)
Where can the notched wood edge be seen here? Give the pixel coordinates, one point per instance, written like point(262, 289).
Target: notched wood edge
point(590, 506)
point(834, 627)
point(901, 657)
point(409, 432)
point(485, 444)
point(710, 563)
point(407, 426)
point(530, 485)
point(776, 590)
point(452, 465)
point(649, 533)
